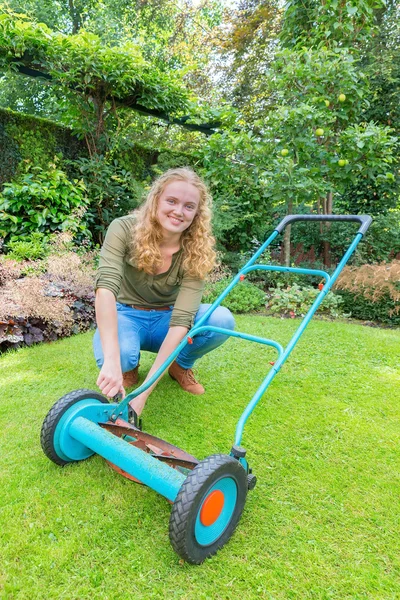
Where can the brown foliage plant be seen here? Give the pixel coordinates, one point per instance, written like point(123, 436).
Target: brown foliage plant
point(47, 300)
point(373, 282)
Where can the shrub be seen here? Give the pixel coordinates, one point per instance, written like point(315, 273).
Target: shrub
point(294, 301)
point(30, 297)
point(42, 201)
point(9, 269)
point(28, 249)
point(382, 242)
point(71, 273)
point(113, 192)
point(46, 299)
point(242, 201)
point(266, 279)
point(367, 310)
point(372, 292)
point(244, 297)
point(275, 279)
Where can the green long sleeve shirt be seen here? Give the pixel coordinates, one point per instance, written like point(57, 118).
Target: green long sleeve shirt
point(117, 273)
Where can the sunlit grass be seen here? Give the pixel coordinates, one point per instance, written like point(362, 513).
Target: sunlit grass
point(322, 522)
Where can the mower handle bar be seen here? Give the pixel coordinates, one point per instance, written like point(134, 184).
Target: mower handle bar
point(365, 220)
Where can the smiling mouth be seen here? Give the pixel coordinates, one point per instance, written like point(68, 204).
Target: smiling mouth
point(175, 220)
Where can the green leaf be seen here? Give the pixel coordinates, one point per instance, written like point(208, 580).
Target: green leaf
point(351, 10)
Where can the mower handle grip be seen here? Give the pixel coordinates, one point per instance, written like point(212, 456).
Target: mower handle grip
point(365, 220)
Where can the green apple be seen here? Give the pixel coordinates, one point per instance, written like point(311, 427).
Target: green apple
point(284, 152)
point(342, 97)
point(341, 162)
point(326, 103)
point(319, 132)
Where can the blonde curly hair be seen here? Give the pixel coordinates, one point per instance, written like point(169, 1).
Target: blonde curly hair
point(197, 240)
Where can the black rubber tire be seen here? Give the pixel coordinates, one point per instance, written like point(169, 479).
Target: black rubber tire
point(251, 481)
point(53, 417)
point(188, 502)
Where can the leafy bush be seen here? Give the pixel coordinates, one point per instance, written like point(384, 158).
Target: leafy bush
point(372, 292)
point(31, 139)
point(34, 297)
point(294, 301)
point(382, 242)
point(241, 201)
point(361, 308)
point(268, 279)
point(71, 273)
point(244, 297)
point(113, 192)
point(220, 272)
point(28, 249)
point(237, 260)
point(43, 201)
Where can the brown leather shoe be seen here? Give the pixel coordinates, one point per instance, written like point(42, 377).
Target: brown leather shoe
point(186, 379)
point(130, 378)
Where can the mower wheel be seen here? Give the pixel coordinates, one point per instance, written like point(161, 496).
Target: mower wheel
point(208, 507)
point(49, 433)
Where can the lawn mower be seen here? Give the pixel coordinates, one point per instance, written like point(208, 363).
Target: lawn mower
point(207, 496)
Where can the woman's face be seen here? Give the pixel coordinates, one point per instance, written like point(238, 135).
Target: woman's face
point(177, 206)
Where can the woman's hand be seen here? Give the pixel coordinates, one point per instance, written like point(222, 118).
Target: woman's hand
point(110, 379)
point(138, 403)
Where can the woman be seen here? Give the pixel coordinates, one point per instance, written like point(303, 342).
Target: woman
point(149, 286)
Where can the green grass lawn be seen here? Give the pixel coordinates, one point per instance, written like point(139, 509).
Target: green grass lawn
point(324, 442)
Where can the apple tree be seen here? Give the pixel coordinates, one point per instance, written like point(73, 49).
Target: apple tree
point(314, 101)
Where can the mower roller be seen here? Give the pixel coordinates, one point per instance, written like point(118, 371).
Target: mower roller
point(207, 496)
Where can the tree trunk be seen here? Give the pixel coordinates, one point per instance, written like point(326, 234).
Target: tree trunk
point(286, 238)
point(329, 202)
point(320, 210)
point(95, 140)
point(328, 205)
point(75, 17)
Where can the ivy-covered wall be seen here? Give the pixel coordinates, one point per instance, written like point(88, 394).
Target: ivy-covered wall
point(23, 137)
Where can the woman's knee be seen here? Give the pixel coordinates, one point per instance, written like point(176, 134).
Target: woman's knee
point(129, 354)
point(222, 317)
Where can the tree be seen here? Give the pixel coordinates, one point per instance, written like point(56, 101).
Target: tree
point(316, 99)
point(341, 23)
point(95, 82)
point(93, 77)
point(173, 36)
point(381, 63)
point(245, 44)
point(231, 162)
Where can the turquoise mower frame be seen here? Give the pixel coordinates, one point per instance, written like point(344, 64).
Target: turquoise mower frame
point(208, 496)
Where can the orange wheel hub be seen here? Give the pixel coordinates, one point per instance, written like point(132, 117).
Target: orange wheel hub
point(212, 508)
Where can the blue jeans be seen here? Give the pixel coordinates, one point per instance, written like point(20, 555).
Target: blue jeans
point(146, 330)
